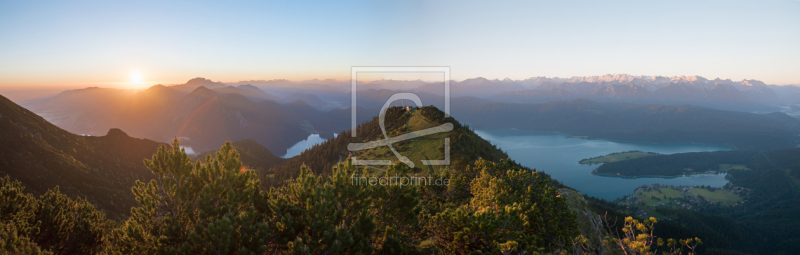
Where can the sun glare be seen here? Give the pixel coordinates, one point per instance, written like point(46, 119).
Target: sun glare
point(136, 78)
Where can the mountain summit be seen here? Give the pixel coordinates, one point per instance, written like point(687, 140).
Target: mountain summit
point(465, 145)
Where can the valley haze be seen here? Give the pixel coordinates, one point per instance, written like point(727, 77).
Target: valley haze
point(539, 127)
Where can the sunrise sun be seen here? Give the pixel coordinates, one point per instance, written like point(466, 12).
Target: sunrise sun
point(136, 78)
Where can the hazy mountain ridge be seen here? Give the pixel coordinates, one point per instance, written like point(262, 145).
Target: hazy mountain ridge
point(198, 82)
point(744, 95)
point(251, 92)
point(635, 122)
point(479, 87)
point(202, 118)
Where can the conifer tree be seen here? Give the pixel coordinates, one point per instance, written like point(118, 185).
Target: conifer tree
point(316, 215)
point(17, 208)
point(12, 242)
point(53, 222)
point(69, 226)
point(17, 212)
point(202, 208)
point(512, 211)
point(397, 208)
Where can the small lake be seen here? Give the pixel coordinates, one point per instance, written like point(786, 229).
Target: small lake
point(558, 156)
point(299, 147)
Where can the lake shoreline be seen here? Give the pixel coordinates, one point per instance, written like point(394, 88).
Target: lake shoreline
point(654, 176)
point(612, 140)
point(557, 155)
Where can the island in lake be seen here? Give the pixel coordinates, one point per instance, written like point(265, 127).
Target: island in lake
point(679, 164)
point(616, 156)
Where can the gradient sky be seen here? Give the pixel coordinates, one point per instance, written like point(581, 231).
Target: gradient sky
point(80, 43)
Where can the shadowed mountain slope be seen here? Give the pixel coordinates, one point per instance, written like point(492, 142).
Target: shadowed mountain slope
point(42, 156)
point(202, 118)
point(252, 155)
point(249, 91)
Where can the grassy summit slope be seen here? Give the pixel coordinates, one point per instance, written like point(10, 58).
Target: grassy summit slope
point(417, 149)
point(430, 147)
point(465, 145)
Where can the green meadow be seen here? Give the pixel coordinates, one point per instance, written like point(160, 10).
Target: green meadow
point(665, 195)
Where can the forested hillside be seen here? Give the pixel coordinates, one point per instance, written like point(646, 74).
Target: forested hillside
point(43, 156)
point(676, 164)
point(763, 224)
point(216, 207)
point(700, 162)
point(482, 203)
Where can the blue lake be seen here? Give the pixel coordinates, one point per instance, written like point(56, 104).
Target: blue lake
point(558, 156)
point(299, 147)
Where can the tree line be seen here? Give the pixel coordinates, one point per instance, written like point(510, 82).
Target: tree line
point(215, 206)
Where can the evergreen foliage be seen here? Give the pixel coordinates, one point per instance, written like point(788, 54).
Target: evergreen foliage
point(216, 207)
point(12, 242)
point(254, 156)
point(51, 222)
point(507, 210)
point(201, 208)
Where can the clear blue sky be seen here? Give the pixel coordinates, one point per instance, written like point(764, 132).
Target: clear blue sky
point(103, 42)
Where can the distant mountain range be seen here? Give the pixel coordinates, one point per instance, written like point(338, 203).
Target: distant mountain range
point(726, 94)
point(279, 113)
point(636, 122)
point(746, 95)
point(202, 118)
